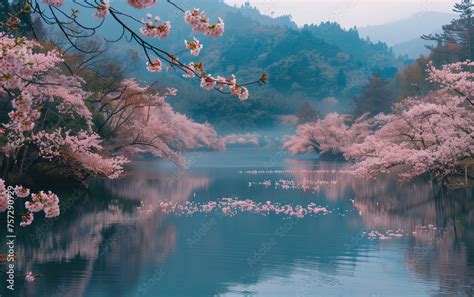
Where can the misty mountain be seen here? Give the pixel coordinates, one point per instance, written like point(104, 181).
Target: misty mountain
point(407, 29)
point(404, 36)
point(412, 48)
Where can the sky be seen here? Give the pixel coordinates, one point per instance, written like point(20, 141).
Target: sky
point(348, 13)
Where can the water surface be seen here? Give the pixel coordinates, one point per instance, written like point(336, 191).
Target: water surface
point(380, 238)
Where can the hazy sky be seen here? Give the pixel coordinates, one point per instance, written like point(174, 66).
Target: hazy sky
point(349, 12)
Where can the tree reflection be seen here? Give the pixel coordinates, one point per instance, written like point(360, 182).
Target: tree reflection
point(87, 242)
point(440, 222)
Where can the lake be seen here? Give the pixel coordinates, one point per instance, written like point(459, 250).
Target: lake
point(323, 232)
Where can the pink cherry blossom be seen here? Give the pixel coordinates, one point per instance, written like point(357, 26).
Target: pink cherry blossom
point(55, 3)
point(154, 29)
point(3, 196)
point(30, 277)
point(41, 201)
point(34, 206)
point(20, 65)
point(456, 77)
point(195, 46)
point(22, 192)
point(220, 82)
point(241, 92)
point(82, 150)
point(141, 3)
point(430, 134)
point(102, 9)
point(26, 219)
point(208, 83)
point(191, 68)
point(171, 92)
point(46, 202)
point(215, 30)
point(333, 134)
point(154, 66)
point(200, 23)
point(194, 17)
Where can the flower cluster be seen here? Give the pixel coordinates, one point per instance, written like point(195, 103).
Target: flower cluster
point(46, 202)
point(27, 219)
point(55, 3)
point(235, 89)
point(102, 9)
point(35, 74)
point(154, 66)
point(332, 134)
point(192, 68)
point(155, 30)
point(239, 91)
point(81, 151)
point(200, 23)
point(30, 277)
point(209, 82)
point(3, 196)
point(195, 46)
point(141, 3)
point(22, 192)
point(24, 116)
point(456, 77)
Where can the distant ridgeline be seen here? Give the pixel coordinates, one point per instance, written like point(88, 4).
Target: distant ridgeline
point(303, 64)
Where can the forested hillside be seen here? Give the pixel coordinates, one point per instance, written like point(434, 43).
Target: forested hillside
point(312, 64)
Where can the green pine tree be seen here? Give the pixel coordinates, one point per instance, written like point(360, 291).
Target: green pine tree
point(458, 36)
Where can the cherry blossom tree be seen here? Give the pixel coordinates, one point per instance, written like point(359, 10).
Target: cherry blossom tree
point(431, 134)
point(46, 119)
point(43, 103)
point(331, 135)
point(49, 120)
point(139, 120)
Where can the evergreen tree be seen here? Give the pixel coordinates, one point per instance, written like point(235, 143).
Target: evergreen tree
point(307, 113)
point(341, 78)
point(376, 97)
point(25, 27)
point(17, 20)
point(4, 11)
point(458, 36)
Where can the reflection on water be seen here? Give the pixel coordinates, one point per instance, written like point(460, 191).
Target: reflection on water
point(104, 246)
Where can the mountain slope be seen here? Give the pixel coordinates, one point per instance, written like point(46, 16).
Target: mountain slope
point(307, 64)
point(412, 48)
point(407, 29)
